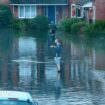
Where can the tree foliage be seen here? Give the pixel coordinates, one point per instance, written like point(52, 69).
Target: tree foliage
point(5, 16)
point(40, 23)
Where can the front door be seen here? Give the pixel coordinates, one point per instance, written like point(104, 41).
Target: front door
point(51, 13)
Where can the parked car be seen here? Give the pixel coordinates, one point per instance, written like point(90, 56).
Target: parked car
point(16, 98)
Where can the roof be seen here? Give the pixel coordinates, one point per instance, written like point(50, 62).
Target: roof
point(89, 4)
point(14, 94)
point(82, 2)
point(38, 2)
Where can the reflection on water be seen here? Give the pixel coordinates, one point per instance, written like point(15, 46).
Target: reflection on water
point(28, 64)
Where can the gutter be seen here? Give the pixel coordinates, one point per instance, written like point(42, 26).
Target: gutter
point(40, 4)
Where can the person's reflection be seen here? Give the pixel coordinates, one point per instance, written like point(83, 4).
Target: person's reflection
point(58, 61)
point(58, 82)
point(58, 86)
point(40, 57)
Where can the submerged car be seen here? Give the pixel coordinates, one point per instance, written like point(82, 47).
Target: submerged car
point(16, 98)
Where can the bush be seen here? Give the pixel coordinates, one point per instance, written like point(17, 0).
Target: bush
point(21, 24)
point(39, 24)
point(27, 24)
point(61, 24)
point(5, 16)
point(16, 24)
point(90, 30)
point(96, 29)
point(78, 28)
point(67, 23)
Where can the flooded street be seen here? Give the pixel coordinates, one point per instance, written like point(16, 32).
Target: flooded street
point(27, 64)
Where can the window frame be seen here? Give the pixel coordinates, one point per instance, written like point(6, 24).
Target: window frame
point(76, 12)
point(24, 9)
point(20, 12)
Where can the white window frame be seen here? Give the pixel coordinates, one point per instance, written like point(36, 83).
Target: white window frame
point(31, 12)
point(94, 13)
point(24, 12)
point(76, 6)
point(71, 10)
point(19, 11)
point(81, 14)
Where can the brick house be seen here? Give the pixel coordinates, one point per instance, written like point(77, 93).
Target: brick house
point(99, 9)
point(82, 9)
point(57, 9)
point(77, 7)
point(4, 1)
point(94, 9)
point(53, 9)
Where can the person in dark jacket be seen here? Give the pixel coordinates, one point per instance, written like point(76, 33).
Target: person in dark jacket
point(52, 27)
point(52, 40)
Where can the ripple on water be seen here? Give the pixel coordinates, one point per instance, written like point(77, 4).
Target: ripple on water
point(66, 97)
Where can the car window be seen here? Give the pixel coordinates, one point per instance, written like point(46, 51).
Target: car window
point(12, 102)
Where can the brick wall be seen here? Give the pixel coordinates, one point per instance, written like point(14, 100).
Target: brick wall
point(100, 9)
point(39, 10)
point(58, 13)
point(65, 11)
point(4, 1)
point(14, 10)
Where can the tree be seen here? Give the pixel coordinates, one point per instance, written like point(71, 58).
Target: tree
point(5, 16)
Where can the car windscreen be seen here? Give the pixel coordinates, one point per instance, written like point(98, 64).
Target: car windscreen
point(13, 102)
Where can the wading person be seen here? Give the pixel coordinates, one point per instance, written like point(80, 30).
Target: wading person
point(52, 34)
point(52, 40)
point(52, 28)
point(58, 47)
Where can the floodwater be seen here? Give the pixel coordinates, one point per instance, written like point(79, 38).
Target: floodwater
point(27, 64)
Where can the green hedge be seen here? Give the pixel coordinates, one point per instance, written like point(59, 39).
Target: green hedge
point(79, 27)
point(67, 23)
point(21, 24)
point(61, 24)
point(96, 29)
point(39, 24)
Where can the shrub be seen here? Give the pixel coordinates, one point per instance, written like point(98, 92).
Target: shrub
point(100, 24)
point(61, 24)
point(5, 16)
point(67, 23)
point(96, 29)
point(27, 24)
point(39, 24)
point(78, 28)
point(21, 24)
point(18, 24)
point(90, 30)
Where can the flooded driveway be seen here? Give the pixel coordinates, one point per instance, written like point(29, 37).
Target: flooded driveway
point(27, 64)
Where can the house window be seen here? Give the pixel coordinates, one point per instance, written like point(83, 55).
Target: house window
point(27, 11)
point(73, 10)
point(33, 11)
point(21, 14)
point(76, 11)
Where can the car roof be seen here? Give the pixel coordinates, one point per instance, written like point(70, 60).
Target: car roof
point(15, 95)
